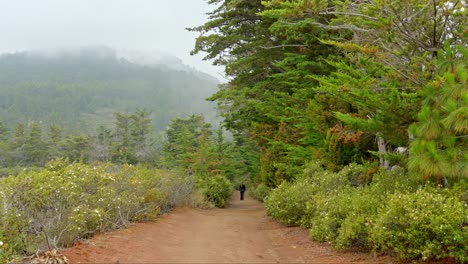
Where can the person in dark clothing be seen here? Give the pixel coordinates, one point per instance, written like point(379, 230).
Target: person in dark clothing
point(242, 190)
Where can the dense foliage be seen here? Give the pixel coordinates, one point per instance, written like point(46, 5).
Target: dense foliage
point(392, 213)
point(349, 117)
point(64, 202)
point(352, 106)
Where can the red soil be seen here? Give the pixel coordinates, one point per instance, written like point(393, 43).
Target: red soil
point(241, 233)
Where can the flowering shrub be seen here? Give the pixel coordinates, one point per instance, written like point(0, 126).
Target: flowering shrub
point(6, 251)
point(65, 202)
point(423, 225)
point(293, 203)
point(389, 214)
point(287, 203)
point(342, 217)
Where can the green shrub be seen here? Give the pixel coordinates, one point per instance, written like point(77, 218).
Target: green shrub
point(363, 208)
point(357, 222)
point(327, 211)
point(260, 192)
point(312, 167)
point(65, 202)
point(343, 216)
point(6, 250)
point(423, 225)
point(199, 200)
point(327, 181)
point(287, 203)
point(390, 213)
point(217, 189)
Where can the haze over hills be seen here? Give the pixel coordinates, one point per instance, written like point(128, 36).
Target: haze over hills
point(81, 89)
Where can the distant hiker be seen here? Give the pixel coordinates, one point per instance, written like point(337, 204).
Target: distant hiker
point(242, 190)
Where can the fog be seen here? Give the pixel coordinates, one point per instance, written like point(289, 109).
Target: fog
point(150, 27)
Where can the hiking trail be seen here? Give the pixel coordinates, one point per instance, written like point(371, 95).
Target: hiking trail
point(241, 233)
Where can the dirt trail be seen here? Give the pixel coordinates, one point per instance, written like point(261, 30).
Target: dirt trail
point(241, 233)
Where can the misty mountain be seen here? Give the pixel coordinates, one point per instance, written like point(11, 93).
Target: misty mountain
point(81, 89)
point(159, 59)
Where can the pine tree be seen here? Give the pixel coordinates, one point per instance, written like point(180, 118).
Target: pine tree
point(55, 141)
point(77, 148)
point(4, 145)
point(439, 150)
point(122, 150)
point(34, 146)
point(140, 128)
point(183, 140)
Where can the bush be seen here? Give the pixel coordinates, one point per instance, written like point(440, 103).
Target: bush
point(260, 192)
point(344, 216)
point(357, 222)
point(389, 214)
point(199, 200)
point(287, 203)
point(217, 190)
point(363, 207)
point(6, 250)
point(423, 225)
point(327, 211)
point(66, 202)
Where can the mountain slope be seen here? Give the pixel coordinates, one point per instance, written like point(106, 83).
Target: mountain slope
point(81, 89)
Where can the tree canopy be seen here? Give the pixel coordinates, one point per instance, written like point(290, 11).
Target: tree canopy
point(338, 81)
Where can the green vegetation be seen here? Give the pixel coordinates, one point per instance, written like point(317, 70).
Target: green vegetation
point(348, 116)
point(128, 142)
point(357, 113)
point(64, 202)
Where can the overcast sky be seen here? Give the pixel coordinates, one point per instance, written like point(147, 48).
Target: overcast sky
point(141, 25)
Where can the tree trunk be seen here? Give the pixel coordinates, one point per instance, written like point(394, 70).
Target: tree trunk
point(382, 151)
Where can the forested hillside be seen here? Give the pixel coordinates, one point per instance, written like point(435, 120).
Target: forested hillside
point(80, 90)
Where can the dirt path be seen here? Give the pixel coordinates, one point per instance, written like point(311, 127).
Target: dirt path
point(241, 233)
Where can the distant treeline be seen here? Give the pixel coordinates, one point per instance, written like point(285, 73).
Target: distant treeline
point(35, 143)
point(188, 143)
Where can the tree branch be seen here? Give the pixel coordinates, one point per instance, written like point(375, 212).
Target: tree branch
point(284, 46)
point(348, 14)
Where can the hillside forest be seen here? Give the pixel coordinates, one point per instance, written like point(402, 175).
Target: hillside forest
point(80, 89)
point(347, 118)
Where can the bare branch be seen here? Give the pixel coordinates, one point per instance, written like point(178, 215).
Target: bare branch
point(284, 46)
point(348, 14)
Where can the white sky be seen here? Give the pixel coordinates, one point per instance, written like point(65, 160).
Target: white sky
point(140, 25)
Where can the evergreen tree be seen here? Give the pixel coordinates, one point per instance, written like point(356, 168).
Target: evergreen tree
point(438, 151)
point(269, 91)
point(183, 140)
point(102, 143)
point(140, 128)
point(122, 149)
point(77, 148)
point(35, 148)
point(55, 141)
point(4, 145)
